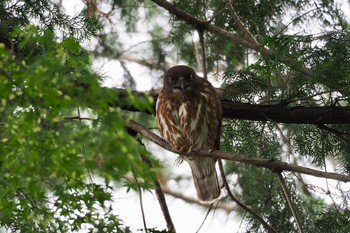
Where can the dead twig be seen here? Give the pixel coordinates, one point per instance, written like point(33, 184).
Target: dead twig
point(241, 204)
point(289, 201)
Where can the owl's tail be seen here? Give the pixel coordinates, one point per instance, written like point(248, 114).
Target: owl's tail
point(205, 178)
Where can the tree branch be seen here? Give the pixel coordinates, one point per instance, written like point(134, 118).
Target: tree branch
point(161, 199)
point(278, 113)
point(259, 162)
point(254, 112)
point(197, 23)
point(239, 22)
point(158, 189)
point(285, 114)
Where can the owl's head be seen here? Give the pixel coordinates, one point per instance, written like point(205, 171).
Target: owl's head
point(180, 79)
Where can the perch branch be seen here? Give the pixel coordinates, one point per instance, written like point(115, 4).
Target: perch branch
point(259, 162)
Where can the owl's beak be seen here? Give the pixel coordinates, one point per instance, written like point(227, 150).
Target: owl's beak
point(181, 84)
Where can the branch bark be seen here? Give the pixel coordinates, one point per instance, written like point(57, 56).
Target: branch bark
point(239, 22)
point(275, 166)
point(285, 114)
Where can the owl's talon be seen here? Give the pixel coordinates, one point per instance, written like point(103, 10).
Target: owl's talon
point(182, 149)
point(188, 152)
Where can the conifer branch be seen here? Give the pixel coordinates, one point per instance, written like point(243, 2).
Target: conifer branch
point(277, 113)
point(259, 162)
point(198, 23)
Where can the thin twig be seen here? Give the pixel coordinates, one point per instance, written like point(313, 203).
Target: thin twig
point(191, 200)
point(205, 218)
point(217, 204)
point(204, 58)
point(241, 204)
point(294, 20)
point(141, 200)
point(78, 118)
point(289, 201)
point(286, 140)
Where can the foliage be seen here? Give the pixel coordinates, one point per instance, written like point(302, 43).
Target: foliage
point(63, 146)
point(334, 220)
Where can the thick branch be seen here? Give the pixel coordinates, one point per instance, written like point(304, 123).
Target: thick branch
point(285, 114)
point(197, 23)
point(255, 112)
point(259, 162)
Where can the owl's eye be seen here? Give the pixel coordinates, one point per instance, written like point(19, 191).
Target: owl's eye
point(188, 77)
point(172, 78)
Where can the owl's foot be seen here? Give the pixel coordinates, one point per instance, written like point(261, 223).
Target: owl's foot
point(188, 152)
